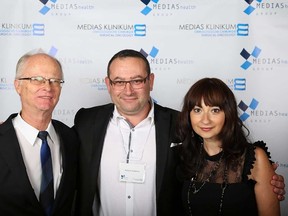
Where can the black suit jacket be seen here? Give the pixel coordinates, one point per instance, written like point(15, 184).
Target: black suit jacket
point(17, 196)
point(91, 125)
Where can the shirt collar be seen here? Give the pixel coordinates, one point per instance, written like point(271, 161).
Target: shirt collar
point(150, 117)
point(30, 133)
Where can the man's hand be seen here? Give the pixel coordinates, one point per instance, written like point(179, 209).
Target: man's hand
point(279, 185)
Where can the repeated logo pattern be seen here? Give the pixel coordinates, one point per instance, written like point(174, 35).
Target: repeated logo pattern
point(147, 9)
point(140, 30)
point(153, 53)
point(246, 55)
point(53, 51)
point(251, 6)
point(245, 108)
point(44, 10)
point(242, 29)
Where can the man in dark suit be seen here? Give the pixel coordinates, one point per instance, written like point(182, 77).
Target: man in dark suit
point(127, 163)
point(132, 134)
point(23, 191)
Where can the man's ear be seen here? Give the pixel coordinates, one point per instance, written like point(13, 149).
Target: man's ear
point(107, 82)
point(151, 81)
point(17, 84)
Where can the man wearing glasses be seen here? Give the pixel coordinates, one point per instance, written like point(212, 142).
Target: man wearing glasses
point(127, 166)
point(38, 155)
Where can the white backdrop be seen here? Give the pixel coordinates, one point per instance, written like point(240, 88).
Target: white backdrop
point(242, 42)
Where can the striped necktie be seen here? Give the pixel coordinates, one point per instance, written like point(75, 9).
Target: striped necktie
point(46, 191)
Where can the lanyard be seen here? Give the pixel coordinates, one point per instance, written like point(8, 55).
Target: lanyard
point(130, 139)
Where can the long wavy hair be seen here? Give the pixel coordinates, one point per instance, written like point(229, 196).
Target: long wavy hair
point(214, 92)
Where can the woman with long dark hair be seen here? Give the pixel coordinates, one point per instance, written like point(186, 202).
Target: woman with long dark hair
point(223, 173)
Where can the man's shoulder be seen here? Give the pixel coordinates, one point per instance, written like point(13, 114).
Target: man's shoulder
point(159, 108)
point(101, 108)
point(59, 123)
point(90, 114)
point(7, 123)
point(61, 127)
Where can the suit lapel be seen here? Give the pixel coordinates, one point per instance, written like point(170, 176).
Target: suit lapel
point(162, 125)
point(99, 128)
point(59, 192)
point(11, 154)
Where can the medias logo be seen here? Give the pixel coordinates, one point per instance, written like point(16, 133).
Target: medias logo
point(216, 29)
point(236, 84)
point(147, 9)
point(94, 82)
point(166, 9)
point(22, 29)
point(265, 7)
point(249, 57)
point(53, 51)
point(163, 63)
point(154, 61)
point(247, 108)
point(45, 9)
point(114, 30)
point(256, 115)
point(251, 6)
point(153, 52)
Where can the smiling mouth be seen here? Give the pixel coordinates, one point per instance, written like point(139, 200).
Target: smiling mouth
point(129, 98)
point(206, 129)
point(46, 97)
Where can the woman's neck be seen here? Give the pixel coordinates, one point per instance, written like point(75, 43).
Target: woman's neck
point(212, 147)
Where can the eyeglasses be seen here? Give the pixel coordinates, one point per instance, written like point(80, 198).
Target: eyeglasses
point(39, 80)
point(120, 85)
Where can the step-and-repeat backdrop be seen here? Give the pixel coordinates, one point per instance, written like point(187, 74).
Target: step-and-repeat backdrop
point(242, 42)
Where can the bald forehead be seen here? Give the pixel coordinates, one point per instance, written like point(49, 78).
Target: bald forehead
point(41, 57)
point(40, 62)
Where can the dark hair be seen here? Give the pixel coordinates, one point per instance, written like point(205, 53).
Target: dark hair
point(129, 53)
point(214, 92)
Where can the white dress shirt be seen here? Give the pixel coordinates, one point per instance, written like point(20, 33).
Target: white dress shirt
point(128, 198)
point(30, 146)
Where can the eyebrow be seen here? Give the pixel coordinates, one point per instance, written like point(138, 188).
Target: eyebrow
point(130, 78)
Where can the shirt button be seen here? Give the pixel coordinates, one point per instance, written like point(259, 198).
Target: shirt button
point(129, 197)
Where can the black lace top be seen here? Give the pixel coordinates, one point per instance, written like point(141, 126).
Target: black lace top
point(235, 197)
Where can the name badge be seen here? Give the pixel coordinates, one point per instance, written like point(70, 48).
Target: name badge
point(132, 172)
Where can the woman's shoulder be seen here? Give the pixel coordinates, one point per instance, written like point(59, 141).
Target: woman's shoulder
point(257, 151)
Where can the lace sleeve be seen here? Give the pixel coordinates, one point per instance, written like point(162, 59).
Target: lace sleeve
point(262, 145)
point(250, 158)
